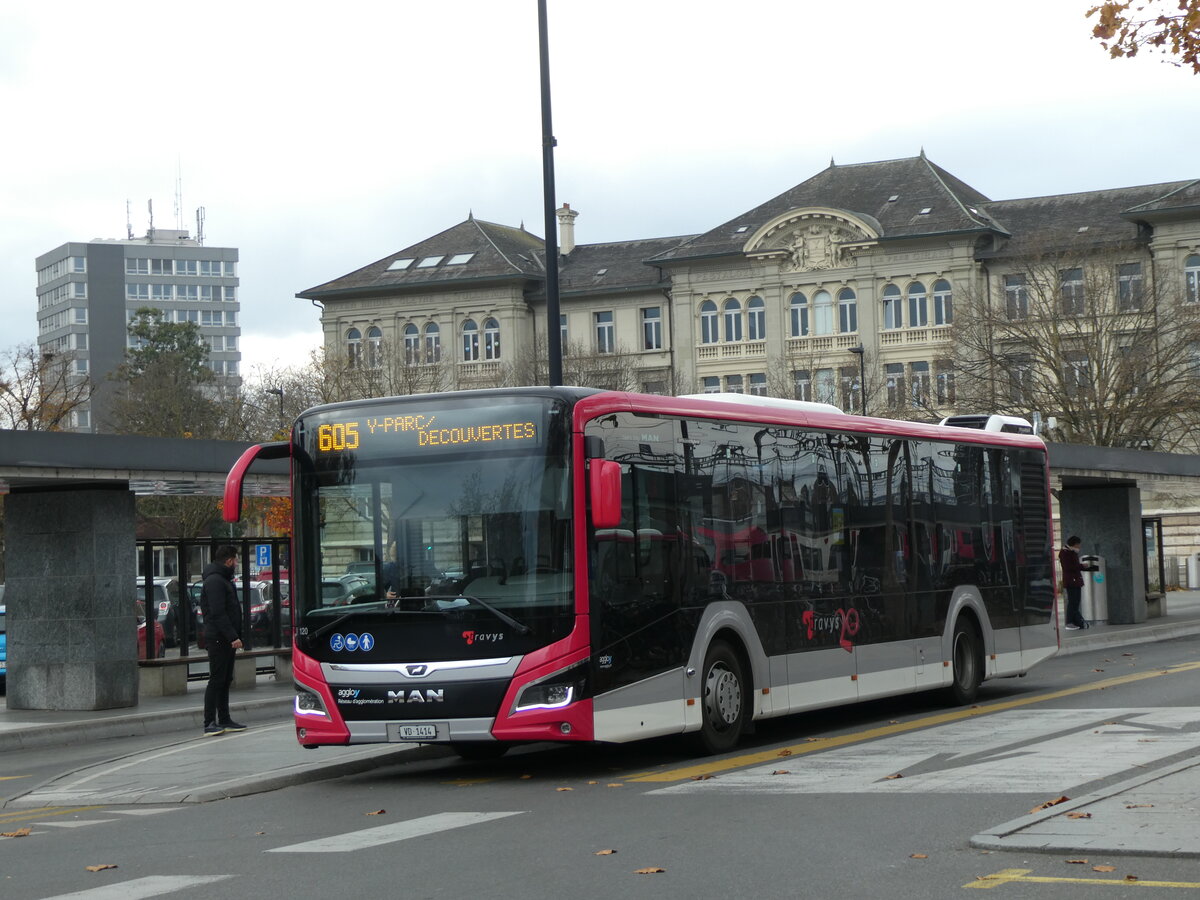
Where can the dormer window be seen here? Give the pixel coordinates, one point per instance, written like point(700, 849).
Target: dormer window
point(459, 259)
point(398, 264)
point(429, 262)
point(926, 211)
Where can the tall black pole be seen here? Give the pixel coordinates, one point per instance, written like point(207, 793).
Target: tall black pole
point(553, 331)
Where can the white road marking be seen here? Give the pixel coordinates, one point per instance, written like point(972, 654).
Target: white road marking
point(145, 812)
point(1015, 752)
point(74, 823)
point(397, 831)
point(150, 886)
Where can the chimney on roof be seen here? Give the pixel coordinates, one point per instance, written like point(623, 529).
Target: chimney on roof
point(566, 228)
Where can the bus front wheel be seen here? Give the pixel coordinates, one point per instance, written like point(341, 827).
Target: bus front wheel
point(723, 703)
point(967, 662)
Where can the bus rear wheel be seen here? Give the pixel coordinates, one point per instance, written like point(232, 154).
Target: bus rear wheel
point(723, 701)
point(480, 751)
point(967, 663)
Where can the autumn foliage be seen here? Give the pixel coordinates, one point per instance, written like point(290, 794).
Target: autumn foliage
point(1170, 27)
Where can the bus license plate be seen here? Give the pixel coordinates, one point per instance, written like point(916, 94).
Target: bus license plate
point(416, 732)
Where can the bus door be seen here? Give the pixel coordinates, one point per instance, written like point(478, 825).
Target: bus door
point(1033, 590)
point(1000, 575)
point(637, 575)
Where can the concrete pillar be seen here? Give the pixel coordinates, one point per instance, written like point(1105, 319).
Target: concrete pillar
point(71, 563)
point(1108, 519)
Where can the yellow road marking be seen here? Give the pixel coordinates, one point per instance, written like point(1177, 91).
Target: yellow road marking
point(765, 756)
point(1009, 876)
point(44, 812)
point(11, 777)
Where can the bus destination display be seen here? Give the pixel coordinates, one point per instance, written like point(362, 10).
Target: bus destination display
point(459, 429)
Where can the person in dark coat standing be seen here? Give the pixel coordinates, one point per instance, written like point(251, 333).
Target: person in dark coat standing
point(1073, 569)
point(222, 638)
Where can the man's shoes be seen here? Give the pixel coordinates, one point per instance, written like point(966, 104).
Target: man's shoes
point(232, 726)
point(213, 730)
point(1072, 628)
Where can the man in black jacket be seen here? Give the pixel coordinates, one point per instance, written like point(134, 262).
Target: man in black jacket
point(222, 638)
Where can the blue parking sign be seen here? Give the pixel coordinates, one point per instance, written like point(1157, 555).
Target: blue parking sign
point(264, 555)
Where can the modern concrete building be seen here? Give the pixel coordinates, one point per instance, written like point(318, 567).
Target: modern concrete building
point(851, 277)
point(88, 292)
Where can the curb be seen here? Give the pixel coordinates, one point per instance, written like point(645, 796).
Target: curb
point(1144, 635)
point(61, 734)
point(1008, 837)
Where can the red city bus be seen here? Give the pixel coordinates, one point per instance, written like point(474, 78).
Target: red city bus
point(568, 564)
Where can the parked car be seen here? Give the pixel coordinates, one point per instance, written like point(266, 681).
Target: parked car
point(3, 652)
point(261, 611)
point(165, 598)
point(160, 638)
point(342, 590)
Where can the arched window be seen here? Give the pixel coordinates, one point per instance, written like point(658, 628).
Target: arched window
point(732, 313)
point(918, 306)
point(708, 322)
point(1191, 278)
point(943, 303)
point(756, 319)
point(412, 344)
point(893, 316)
point(354, 347)
point(470, 336)
point(433, 343)
point(374, 347)
point(847, 311)
point(823, 312)
point(491, 339)
point(798, 308)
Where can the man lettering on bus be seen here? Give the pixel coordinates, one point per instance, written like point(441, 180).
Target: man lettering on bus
point(222, 637)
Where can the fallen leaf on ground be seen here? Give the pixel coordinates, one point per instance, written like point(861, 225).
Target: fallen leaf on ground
point(1079, 815)
point(1131, 878)
point(781, 772)
point(616, 784)
point(1104, 868)
point(20, 832)
point(1128, 654)
point(1097, 670)
point(649, 870)
point(1077, 862)
point(523, 777)
point(918, 856)
point(593, 782)
point(564, 789)
point(604, 852)
point(378, 812)
point(1049, 803)
point(1139, 805)
point(892, 777)
point(260, 832)
point(701, 777)
point(101, 867)
point(785, 752)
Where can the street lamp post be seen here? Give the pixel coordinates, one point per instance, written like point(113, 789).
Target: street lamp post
point(861, 352)
point(279, 393)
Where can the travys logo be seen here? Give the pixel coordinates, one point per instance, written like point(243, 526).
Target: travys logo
point(843, 621)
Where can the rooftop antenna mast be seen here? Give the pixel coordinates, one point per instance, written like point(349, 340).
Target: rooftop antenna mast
point(150, 230)
point(178, 194)
point(128, 221)
point(200, 225)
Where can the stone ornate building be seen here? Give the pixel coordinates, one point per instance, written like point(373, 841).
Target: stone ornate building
point(852, 277)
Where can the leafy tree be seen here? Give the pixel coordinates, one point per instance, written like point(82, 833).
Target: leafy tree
point(164, 387)
point(1124, 27)
point(39, 391)
point(1106, 348)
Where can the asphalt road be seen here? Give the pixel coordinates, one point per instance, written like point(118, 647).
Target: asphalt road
point(808, 807)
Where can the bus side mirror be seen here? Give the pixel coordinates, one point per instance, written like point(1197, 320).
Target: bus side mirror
point(605, 485)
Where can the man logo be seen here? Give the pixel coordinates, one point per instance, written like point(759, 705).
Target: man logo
point(428, 696)
point(416, 671)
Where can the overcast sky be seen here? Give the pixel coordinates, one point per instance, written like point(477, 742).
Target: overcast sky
point(320, 137)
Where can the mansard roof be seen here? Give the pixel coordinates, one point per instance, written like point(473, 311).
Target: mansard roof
point(497, 252)
point(1184, 198)
point(1091, 219)
point(907, 198)
point(619, 266)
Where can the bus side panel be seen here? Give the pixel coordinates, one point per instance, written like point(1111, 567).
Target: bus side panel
point(648, 708)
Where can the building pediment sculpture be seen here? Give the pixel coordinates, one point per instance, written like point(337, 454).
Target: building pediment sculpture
point(811, 240)
point(817, 245)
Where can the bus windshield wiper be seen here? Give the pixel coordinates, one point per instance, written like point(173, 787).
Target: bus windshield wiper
point(349, 614)
point(504, 617)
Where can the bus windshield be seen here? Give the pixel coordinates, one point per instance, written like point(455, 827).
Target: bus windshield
point(406, 527)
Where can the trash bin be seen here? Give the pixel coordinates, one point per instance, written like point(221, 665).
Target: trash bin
point(1094, 598)
point(1193, 571)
